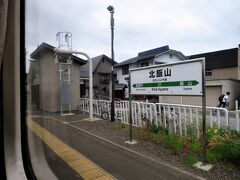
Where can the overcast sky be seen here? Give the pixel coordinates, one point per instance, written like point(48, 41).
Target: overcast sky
point(188, 26)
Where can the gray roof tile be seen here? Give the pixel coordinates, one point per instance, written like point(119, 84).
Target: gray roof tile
point(149, 54)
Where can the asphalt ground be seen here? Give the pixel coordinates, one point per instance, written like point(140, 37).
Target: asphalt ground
point(120, 163)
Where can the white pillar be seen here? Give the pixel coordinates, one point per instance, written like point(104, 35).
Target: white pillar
point(90, 88)
point(237, 116)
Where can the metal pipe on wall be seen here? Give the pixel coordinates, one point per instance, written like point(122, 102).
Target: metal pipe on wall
point(57, 50)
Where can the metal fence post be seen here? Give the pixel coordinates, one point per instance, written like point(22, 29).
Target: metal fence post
point(237, 115)
point(204, 138)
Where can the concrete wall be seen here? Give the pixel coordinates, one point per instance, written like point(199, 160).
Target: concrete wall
point(49, 88)
point(193, 100)
point(33, 73)
point(224, 73)
point(213, 90)
point(75, 86)
point(48, 83)
point(171, 99)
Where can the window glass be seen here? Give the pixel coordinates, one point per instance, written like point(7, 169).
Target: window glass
point(208, 73)
point(125, 70)
point(144, 64)
point(83, 117)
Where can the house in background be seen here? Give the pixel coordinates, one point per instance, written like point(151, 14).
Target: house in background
point(101, 67)
point(222, 75)
point(155, 56)
point(44, 81)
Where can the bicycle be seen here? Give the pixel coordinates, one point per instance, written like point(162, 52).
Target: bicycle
point(105, 114)
point(103, 109)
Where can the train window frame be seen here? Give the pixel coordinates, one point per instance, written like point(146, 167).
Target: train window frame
point(15, 148)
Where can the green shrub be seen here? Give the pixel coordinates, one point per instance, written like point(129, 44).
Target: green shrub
point(191, 159)
point(192, 131)
point(211, 132)
point(214, 131)
point(158, 137)
point(169, 140)
point(212, 157)
point(217, 140)
point(223, 144)
point(174, 142)
point(159, 129)
point(229, 150)
point(234, 134)
point(179, 145)
point(195, 146)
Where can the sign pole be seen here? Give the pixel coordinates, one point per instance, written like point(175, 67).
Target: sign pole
point(204, 138)
point(130, 108)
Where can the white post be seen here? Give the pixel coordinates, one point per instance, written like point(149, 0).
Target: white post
point(185, 121)
point(237, 116)
point(90, 86)
point(180, 120)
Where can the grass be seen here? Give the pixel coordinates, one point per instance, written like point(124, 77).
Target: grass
point(191, 158)
point(121, 125)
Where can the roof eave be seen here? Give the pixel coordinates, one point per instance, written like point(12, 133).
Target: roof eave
point(178, 53)
point(35, 54)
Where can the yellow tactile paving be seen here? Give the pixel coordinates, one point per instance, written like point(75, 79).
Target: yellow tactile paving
point(83, 166)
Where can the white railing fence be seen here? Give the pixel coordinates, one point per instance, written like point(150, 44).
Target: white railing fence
point(237, 120)
point(175, 117)
point(237, 113)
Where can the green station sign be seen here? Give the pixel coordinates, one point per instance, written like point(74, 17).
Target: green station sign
point(167, 84)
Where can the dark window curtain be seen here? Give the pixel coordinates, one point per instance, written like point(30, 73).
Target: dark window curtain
point(3, 27)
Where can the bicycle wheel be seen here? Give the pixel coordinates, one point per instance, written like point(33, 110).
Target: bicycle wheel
point(104, 115)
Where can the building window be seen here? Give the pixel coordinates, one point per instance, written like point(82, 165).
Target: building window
point(104, 78)
point(208, 73)
point(125, 69)
point(144, 64)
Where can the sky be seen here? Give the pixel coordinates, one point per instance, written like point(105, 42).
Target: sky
point(191, 27)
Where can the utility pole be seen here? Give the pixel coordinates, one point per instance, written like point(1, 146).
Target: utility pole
point(111, 10)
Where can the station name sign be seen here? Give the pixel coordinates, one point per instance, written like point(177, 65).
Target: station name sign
point(184, 78)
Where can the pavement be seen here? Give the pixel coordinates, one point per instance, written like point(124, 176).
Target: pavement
point(114, 159)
